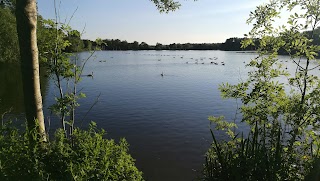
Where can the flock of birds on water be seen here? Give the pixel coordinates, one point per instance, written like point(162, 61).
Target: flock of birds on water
point(193, 61)
point(196, 61)
point(201, 60)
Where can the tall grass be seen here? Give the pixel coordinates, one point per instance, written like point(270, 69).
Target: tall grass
point(259, 157)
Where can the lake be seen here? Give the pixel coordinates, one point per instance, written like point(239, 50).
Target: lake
point(164, 118)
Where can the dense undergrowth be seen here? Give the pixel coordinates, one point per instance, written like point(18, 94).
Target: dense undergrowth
point(86, 155)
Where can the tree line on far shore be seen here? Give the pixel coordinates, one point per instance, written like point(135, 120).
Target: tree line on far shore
point(231, 44)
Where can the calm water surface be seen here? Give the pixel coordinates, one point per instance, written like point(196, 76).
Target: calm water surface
point(164, 118)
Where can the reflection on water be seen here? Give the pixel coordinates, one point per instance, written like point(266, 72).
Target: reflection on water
point(11, 95)
point(11, 90)
point(164, 118)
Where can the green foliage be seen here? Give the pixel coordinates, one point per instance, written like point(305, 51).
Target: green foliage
point(76, 44)
point(55, 40)
point(281, 109)
point(87, 45)
point(9, 39)
point(11, 4)
point(166, 5)
point(85, 156)
point(9, 50)
point(256, 158)
point(240, 160)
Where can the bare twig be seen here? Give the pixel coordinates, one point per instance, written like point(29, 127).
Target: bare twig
point(95, 102)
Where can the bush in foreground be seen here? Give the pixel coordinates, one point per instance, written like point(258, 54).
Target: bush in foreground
point(84, 156)
point(257, 158)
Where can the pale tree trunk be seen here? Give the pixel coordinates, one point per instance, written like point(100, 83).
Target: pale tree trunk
point(26, 14)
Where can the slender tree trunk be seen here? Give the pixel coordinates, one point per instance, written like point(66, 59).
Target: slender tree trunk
point(26, 14)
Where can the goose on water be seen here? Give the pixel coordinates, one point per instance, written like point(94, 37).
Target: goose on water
point(90, 75)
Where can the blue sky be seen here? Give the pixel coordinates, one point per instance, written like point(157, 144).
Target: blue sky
point(202, 21)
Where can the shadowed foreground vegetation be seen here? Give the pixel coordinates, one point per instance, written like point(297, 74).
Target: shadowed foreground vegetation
point(85, 156)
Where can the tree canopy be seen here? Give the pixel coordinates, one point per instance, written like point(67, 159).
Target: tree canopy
point(8, 34)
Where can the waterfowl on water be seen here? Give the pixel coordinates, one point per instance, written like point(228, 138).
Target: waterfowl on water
point(90, 75)
point(162, 74)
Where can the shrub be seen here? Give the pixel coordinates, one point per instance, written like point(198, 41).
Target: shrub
point(257, 158)
point(84, 156)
